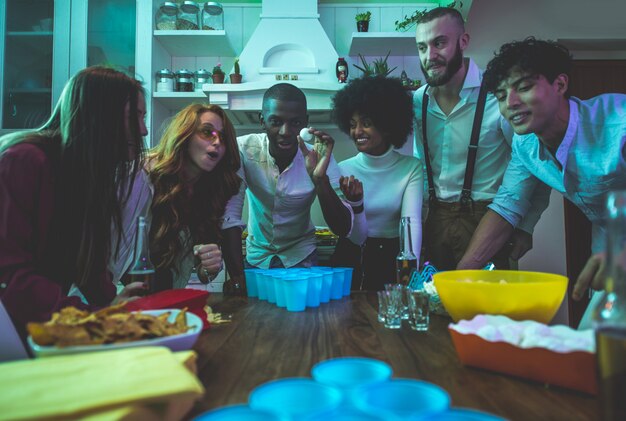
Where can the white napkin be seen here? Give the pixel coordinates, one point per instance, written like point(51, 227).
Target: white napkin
point(528, 334)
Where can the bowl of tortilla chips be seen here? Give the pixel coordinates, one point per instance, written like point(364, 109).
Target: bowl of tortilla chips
point(72, 331)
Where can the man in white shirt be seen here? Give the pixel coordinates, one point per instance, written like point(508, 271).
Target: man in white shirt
point(575, 147)
point(283, 176)
point(459, 189)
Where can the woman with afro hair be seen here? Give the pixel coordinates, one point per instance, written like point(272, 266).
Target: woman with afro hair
point(382, 184)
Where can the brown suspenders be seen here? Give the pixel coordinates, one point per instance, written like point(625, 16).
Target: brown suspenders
point(466, 194)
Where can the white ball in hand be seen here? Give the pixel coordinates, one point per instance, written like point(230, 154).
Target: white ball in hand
point(305, 135)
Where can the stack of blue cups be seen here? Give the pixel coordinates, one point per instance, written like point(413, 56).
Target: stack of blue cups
point(298, 288)
point(349, 388)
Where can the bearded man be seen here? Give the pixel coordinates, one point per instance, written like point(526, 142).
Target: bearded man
point(465, 145)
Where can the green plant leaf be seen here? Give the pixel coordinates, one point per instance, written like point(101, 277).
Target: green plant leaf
point(409, 21)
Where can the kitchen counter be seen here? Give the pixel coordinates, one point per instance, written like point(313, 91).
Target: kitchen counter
point(264, 342)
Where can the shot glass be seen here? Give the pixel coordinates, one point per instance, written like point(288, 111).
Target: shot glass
point(418, 309)
point(393, 314)
point(401, 290)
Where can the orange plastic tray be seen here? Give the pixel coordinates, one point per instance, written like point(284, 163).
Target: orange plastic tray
point(572, 370)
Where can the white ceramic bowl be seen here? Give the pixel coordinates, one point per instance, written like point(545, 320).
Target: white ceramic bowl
point(181, 342)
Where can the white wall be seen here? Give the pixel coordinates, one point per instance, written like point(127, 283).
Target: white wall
point(491, 23)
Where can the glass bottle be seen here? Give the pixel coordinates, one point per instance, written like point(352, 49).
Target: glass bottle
point(142, 269)
point(406, 262)
point(188, 17)
point(212, 16)
point(609, 314)
point(166, 16)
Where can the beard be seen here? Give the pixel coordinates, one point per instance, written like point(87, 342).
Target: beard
point(452, 67)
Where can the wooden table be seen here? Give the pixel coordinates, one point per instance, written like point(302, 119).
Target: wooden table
point(264, 342)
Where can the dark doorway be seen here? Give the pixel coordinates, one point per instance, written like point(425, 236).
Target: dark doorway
point(589, 78)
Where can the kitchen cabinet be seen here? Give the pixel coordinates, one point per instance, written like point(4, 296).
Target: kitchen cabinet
point(188, 49)
point(200, 49)
point(44, 42)
point(28, 38)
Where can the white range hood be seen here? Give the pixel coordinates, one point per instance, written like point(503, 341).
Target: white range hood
point(288, 43)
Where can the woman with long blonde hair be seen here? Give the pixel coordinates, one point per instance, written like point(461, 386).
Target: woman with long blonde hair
point(193, 170)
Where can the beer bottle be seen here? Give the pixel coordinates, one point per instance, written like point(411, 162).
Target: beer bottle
point(142, 269)
point(406, 262)
point(609, 314)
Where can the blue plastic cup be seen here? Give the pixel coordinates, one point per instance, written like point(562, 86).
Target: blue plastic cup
point(348, 374)
point(405, 398)
point(261, 284)
point(327, 283)
point(251, 282)
point(279, 287)
point(295, 292)
point(237, 413)
point(314, 289)
point(269, 286)
point(347, 281)
point(295, 398)
point(336, 291)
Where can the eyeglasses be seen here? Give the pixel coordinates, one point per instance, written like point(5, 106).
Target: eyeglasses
point(209, 133)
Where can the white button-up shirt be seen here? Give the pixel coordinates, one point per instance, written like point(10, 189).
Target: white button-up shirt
point(279, 221)
point(590, 162)
point(449, 139)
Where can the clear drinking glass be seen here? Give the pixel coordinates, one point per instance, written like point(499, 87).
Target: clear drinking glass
point(419, 316)
point(393, 315)
point(401, 292)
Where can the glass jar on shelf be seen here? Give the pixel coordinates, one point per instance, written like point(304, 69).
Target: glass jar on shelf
point(166, 16)
point(212, 16)
point(165, 81)
point(188, 16)
point(184, 81)
point(202, 76)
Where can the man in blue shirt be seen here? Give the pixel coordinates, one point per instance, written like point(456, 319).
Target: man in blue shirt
point(575, 147)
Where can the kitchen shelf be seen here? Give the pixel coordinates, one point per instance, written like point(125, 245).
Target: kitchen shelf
point(195, 43)
point(34, 91)
point(177, 100)
point(29, 43)
point(29, 33)
point(380, 43)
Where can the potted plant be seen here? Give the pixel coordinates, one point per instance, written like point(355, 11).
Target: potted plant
point(236, 76)
point(379, 67)
point(366, 69)
point(363, 21)
point(218, 74)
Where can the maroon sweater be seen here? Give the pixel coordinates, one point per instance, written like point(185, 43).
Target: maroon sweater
point(26, 208)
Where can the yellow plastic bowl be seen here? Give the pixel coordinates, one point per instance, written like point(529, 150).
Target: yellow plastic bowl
point(515, 294)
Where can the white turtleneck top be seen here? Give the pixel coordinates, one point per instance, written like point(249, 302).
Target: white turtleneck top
point(392, 188)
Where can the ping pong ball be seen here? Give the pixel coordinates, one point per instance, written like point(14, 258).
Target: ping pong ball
point(305, 135)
